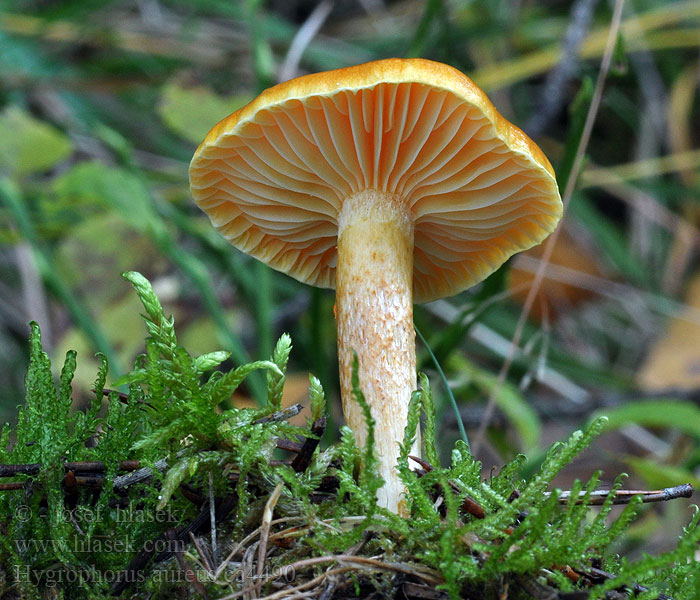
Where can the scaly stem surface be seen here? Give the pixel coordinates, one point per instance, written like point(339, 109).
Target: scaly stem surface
point(374, 313)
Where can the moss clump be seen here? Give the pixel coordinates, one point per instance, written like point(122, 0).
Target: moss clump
point(115, 499)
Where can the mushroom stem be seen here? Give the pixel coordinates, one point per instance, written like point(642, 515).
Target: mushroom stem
point(374, 313)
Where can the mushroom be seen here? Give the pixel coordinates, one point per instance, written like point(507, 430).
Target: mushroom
point(393, 181)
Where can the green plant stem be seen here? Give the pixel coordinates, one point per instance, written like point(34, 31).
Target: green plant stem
point(460, 424)
point(420, 37)
point(263, 62)
point(264, 309)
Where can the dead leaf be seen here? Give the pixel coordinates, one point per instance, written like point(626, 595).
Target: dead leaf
point(674, 361)
point(554, 296)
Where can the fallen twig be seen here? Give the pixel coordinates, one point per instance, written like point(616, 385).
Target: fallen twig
point(598, 497)
point(34, 468)
point(190, 575)
point(469, 505)
point(303, 459)
point(265, 533)
point(281, 415)
point(596, 574)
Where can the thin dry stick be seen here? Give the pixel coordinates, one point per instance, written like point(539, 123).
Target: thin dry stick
point(305, 455)
point(247, 539)
point(265, 534)
point(11, 470)
point(15, 485)
point(33, 292)
point(293, 592)
point(203, 554)
point(611, 289)
point(358, 561)
point(149, 552)
point(246, 572)
point(282, 415)
point(190, 575)
point(553, 94)
point(303, 38)
point(212, 519)
point(595, 573)
point(407, 569)
point(625, 496)
point(549, 245)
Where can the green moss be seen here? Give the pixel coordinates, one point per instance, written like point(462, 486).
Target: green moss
point(77, 536)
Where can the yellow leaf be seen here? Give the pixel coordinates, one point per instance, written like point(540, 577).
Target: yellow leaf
point(674, 361)
point(191, 111)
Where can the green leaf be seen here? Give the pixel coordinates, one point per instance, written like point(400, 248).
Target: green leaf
point(12, 198)
point(508, 399)
point(657, 476)
point(97, 247)
point(660, 412)
point(160, 327)
point(64, 389)
point(28, 145)
point(135, 376)
point(368, 475)
point(448, 389)
point(578, 110)
point(429, 429)
point(117, 189)
point(412, 423)
point(190, 112)
point(275, 380)
point(317, 398)
point(227, 384)
point(175, 476)
point(208, 361)
point(609, 238)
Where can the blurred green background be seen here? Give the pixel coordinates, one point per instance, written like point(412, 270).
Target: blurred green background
point(103, 103)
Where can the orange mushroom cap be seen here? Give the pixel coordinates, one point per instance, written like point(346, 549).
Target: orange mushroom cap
point(273, 176)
